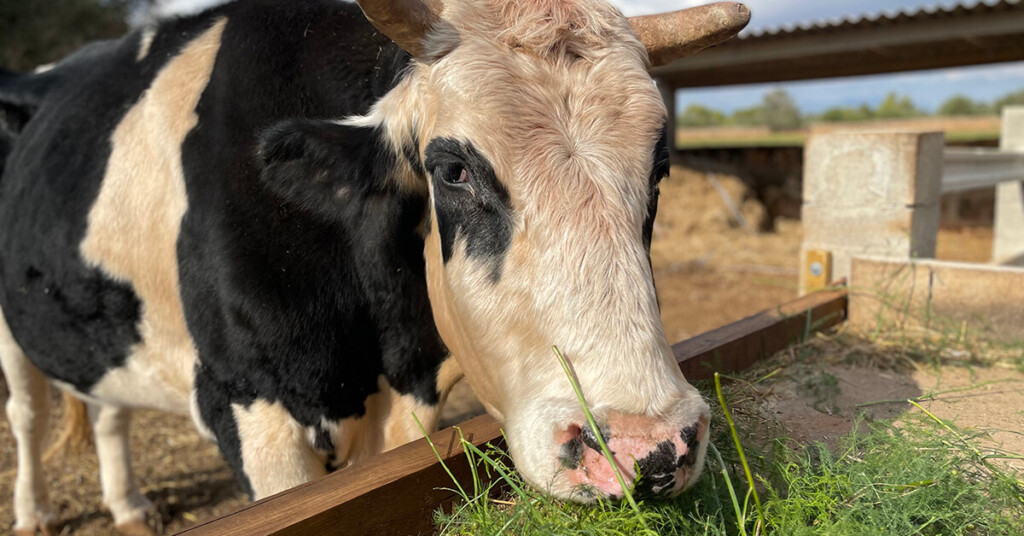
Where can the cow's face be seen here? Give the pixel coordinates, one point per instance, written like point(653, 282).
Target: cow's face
point(540, 133)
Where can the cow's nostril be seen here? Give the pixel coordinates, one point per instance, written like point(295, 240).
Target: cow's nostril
point(570, 454)
point(590, 439)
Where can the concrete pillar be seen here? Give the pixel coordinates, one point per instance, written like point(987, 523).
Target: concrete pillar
point(1008, 242)
point(668, 94)
point(868, 193)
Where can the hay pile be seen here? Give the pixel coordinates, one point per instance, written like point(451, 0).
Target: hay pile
point(696, 227)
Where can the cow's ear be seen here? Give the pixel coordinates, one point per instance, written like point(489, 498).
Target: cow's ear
point(321, 166)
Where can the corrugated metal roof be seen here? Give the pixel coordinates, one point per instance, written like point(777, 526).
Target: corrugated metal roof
point(885, 18)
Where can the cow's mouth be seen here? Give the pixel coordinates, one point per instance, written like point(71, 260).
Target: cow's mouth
point(650, 462)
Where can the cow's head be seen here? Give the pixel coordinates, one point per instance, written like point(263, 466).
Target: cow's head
point(538, 135)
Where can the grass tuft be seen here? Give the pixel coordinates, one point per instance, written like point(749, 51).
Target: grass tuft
point(921, 475)
point(575, 383)
point(918, 474)
point(752, 490)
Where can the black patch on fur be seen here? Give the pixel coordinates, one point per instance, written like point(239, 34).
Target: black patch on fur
point(657, 470)
point(322, 440)
point(73, 321)
point(293, 293)
point(659, 171)
point(689, 436)
point(322, 167)
point(478, 211)
point(214, 400)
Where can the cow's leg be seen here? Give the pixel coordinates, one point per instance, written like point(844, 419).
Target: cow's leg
point(275, 450)
point(28, 410)
point(121, 494)
point(268, 450)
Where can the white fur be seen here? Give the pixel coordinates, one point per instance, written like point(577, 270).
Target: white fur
point(197, 418)
point(145, 41)
point(28, 410)
point(556, 95)
point(120, 492)
point(276, 452)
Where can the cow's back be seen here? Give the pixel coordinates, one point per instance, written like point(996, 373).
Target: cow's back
point(141, 163)
point(73, 318)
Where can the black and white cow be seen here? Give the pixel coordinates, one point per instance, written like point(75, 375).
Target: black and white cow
point(284, 220)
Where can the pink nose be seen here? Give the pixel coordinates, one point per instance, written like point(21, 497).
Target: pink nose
point(665, 455)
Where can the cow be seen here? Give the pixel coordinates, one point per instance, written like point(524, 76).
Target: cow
point(301, 222)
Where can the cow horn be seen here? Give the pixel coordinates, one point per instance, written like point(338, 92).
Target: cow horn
point(669, 36)
point(404, 21)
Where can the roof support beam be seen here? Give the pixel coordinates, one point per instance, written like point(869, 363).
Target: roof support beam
point(923, 41)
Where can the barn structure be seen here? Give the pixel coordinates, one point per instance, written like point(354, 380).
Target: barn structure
point(969, 33)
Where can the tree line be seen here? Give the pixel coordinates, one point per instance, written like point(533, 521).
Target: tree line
point(778, 111)
point(38, 32)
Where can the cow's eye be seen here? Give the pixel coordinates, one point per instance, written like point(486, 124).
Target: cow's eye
point(453, 174)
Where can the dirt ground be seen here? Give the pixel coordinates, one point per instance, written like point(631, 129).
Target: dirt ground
point(709, 271)
point(818, 395)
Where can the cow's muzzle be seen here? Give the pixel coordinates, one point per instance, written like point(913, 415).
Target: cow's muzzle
point(654, 457)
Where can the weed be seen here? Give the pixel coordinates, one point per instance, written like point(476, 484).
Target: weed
point(922, 476)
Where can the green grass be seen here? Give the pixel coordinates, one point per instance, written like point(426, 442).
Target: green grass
point(919, 478)
point(922, 476)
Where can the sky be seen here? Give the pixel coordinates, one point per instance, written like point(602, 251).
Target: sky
point(928, 89)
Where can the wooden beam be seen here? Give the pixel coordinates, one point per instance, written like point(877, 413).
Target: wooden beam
point(799, 45)
point(393, 493)
point(739, 345)
point(398, 491)
point(851, 50)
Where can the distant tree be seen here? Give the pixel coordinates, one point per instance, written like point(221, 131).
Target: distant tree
point(696, 115)
point(37, 32)
point(864, 112)
point(843, 113)
point(780, 112)
point(963, 105)
point(835, 115)
point(747, 117)
point(897, 107)
point(1011, 99)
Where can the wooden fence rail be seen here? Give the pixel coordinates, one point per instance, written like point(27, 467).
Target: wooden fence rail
point(396, 492)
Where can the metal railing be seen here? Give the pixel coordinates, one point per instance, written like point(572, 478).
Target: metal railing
point(970, 169)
